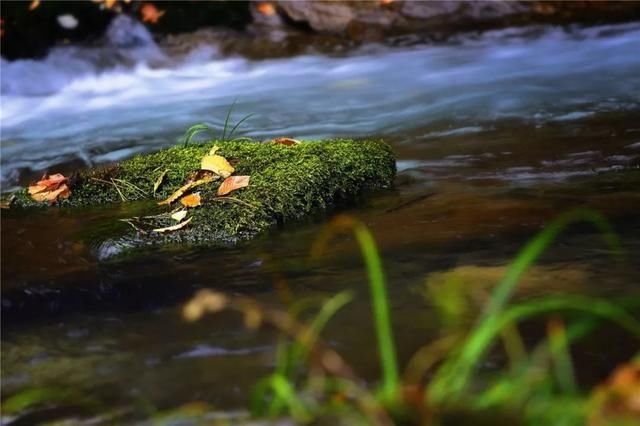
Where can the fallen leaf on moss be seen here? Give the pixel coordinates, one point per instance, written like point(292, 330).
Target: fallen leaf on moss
point(179, 215)
point(5, 204)
point(62, 192)
point(232, 183)
point(214, 149)
point(285, 141)
point(173, 228)
point(186, 187)
point(217, 164)
point(191, 200)
point(49, 188)
point(159, 181)
point(47, 183)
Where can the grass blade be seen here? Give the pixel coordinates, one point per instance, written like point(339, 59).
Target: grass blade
point(454, 375)
point(246, 117)
point(380, 303)
point(226, 120)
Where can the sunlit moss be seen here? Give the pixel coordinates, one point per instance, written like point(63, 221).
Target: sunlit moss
point(287, 183)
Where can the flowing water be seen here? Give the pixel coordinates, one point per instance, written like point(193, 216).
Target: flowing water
point(495, 134)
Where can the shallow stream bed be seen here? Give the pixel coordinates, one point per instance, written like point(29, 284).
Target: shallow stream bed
point(495, 135)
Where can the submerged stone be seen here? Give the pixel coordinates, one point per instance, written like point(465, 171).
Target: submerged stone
point(287, 183)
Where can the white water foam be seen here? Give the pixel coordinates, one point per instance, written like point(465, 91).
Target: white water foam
point(83, 103)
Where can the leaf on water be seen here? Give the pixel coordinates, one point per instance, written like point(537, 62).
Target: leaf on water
point(159, 181)
point(50, 188)
point(192, 200)
point(173, 228)
point(186, 187)
point(285, 141)
point(179, 215)
point(232, 183)
point(217, 164)
point(213, 150)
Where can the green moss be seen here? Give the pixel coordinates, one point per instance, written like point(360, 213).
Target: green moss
point(287, 183)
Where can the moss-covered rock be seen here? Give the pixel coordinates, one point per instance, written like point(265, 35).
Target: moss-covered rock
point(287, 183)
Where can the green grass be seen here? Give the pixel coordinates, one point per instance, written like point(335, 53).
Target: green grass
point(537, 387)
point(454, 386)
point(206, 128)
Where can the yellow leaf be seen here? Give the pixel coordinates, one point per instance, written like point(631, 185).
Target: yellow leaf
point(159, 181)
point(186, 187)
point(217, 164)
point(232, 183)
point(179, 215)
point(5, 204)
point(214, 149)
point(173, 228)
point(192, 200)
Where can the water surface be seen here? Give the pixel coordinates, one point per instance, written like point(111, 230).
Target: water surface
point(494, 134)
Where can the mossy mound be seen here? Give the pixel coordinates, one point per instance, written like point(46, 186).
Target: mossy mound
point(287, 183)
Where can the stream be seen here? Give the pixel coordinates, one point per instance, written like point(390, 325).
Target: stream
point(495, 134)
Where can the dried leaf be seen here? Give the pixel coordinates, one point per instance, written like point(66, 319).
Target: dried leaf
point(150, 13)
point(285, 141)
point(159, 181)
point(49, 188)
point(186, 187)
point(266, 9)
point(62, 191)
point(192, 200)
point(52, 182)
point(217, 164)
point(5, 204)
point(34, 189)
point(173, 228)
point(179, 215)
point(213, 150)
point(232, 183)
point(34, 4)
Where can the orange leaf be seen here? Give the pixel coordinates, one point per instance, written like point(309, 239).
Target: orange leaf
point(34, 189)
point(266, 9)
point(52, 195)
point(53, 180)
point(232, 183)
point(49, 188)
point(192, 200)
point(285, 141)
point(150, 13)
point(34, 4)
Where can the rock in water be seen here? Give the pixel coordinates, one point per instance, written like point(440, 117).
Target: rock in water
point(286, 183)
